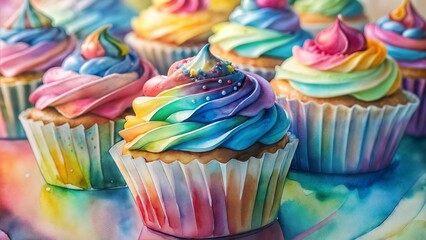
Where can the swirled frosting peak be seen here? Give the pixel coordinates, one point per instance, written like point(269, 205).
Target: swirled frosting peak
point(341, 61)
point(404, 33)
point(202, 104)
point(180, 6)
point(100, 43)
point(29, 43)
point(28, 17)
point(260, 28)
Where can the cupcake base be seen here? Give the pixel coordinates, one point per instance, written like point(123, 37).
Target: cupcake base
point(197, 200)
point(75, 157)
point(417, 125)
point(162, 56)
point(347, 140)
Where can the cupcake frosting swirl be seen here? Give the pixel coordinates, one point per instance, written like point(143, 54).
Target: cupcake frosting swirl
point(180, 21)
point(203, 104)
point(82, 17)
point(404, 33)
point(102, 78)
point(330, 8)
point(29, 43)
point(260, 28)
point(341, 61)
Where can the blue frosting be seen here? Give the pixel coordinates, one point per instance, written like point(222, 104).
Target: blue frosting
point(353, 9)
point(103, 66)
point(33, 36)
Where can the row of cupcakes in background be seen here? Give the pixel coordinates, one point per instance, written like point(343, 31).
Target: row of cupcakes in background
point(208, 139)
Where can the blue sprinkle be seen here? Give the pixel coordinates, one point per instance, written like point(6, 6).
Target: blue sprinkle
point(414, 33)
point(208, 98)
point(393, 26)
point(223, 92)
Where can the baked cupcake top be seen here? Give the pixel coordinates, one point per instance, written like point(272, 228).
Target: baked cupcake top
point(202, 104)
point(330, 8)
point(181, 22)
point(29, 43)
point(102, 77)
point(82, 17)
point(404, 33)
point(260, 28)
point(339, 62)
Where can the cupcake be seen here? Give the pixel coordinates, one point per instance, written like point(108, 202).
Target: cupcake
point(82, 17)
point(404, 34)
point(208, 151)
point(344, 99)
point(172, 30)
point(259, 36)
point(80, 109)
point(316, 16)
point(29, 45)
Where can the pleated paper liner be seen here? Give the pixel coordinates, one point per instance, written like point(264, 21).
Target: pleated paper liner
point(266, 73)
point(162, 56)
point(197, 200)
point(341, 140)
point(417, 124)
point(14, 100)
point(75, 158)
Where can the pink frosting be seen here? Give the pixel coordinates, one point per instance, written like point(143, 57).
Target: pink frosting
point(183, 6)
point(20, 57)
point(277, 4)
point(331, 47)
point(73, 94)
point(394, 39)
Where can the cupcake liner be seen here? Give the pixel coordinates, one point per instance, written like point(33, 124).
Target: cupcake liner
point(14, 100)
point(338, 139)
point(417, 125)
point(75, 158)
point(162, 56)
point(198, 200)
point(266, 73)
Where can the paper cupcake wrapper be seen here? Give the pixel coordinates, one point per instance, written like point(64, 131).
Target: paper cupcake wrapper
point(75, 158)
point(417, 124)
point(160, 55)
point(266, 73)
point(14, 100)
point(341, 140)
point(197, 200)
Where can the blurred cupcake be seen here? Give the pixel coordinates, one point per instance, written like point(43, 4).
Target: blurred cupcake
point(171, 30)
point(316, 16)
point(404, 34)
point(29, 45)
point(80, 109)
point(345, 102)
point(259, 36)
point(208, 151)
point(82, 17)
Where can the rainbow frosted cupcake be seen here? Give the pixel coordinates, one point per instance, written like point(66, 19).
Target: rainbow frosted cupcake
point(80, 109)
point(344, 98)
point(316, 16)
point(208, 151)
point(172, 30)
point(259, 36)
point(29, 45)
point(404, 34)
point(82, 17)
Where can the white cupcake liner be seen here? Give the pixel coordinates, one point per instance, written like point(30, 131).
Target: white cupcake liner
point(266, 73)
point(417, 125)
point(341, 140)
point(14, 100)
point(197, 200)
point(75, 158)
point(162, 56)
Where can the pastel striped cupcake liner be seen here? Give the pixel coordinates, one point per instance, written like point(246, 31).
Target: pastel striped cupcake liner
point(75, 158)
point(14, 100)
point(197, 200)
point(162, 56)
point(417, 125)
point(341, 140)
